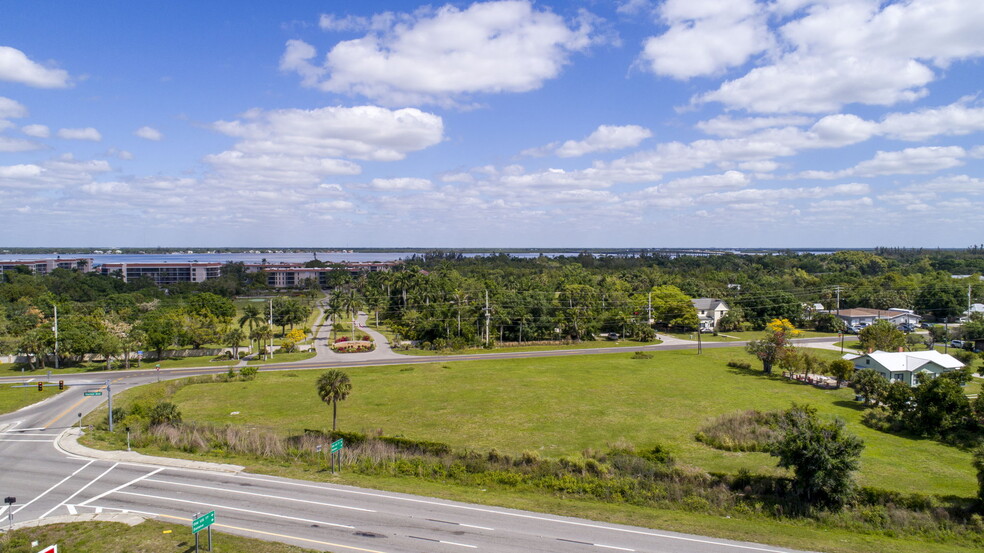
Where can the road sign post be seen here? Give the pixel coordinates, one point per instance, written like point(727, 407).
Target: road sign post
point(203, 522)
point(10, 510)
point(336, 447)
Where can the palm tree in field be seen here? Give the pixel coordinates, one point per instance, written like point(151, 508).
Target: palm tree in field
point(251, 317)
point(350, 303)
point(334, 386)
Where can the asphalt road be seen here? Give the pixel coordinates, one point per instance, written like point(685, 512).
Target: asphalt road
point(48, 481)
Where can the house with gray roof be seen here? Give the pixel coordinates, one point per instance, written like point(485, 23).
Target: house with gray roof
point(709, 312)
point(911, 367)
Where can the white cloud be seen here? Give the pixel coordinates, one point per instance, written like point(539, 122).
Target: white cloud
point(706, 37)
point(11, 109)
point(954, 119)
point(16, 67)
point(18, 145)
point(605, 138)
point(37, 131)
point(862, 51)
point(119, 154)
point(725, 125)
point(87, 133)
point(434, 56)
point(279, 168)
point(407, 183)
point(149, 133)
point(20, 171)
point(912, 161)
point(949, 185)
point(361, 132)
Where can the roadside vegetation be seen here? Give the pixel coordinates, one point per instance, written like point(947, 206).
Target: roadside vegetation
point(150, 536)
point(608, 433)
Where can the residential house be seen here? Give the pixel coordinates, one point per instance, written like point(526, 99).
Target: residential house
point(709, 312)
point(910, 367)
point(863, 316)
point(974, 308)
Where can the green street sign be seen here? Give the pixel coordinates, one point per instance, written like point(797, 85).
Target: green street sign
point(92, 393)
point(202, 522)
point(336, 446)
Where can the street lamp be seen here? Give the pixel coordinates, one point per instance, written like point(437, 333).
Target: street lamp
point(271, 328)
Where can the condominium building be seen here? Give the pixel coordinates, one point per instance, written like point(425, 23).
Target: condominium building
point(45, 266)
point(164, 273)
point(286, 275)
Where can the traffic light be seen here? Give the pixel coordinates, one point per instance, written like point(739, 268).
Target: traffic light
point(61, 384)
point(40, 386)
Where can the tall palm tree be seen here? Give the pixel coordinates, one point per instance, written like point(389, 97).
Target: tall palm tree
point(251, 317)
point(333, 386)
point(350, 303)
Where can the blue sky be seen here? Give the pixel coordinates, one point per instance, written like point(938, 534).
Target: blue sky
point(783, 123)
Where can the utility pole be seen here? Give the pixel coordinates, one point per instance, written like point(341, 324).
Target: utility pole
point(271, 328)
point(488, 317)
point(838, 299)
point(55, 329)
point(649, 309)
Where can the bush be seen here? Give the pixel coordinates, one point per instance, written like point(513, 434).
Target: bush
point(741, 431)
point(248, 373)
point(642, 355)
point(739, 365)
point(165, 412)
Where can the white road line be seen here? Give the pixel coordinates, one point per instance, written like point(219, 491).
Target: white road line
point(613, 547)
point(53, 487)
point(80, 490)
point(595, 526)
point(476, 527)
point(460, 544)
point(227, 508)
point(268, 496)
point(99, 510)
point(118, 488)
point(71, 509)
point(16, 440)
point(3, 509)
point(25, 433)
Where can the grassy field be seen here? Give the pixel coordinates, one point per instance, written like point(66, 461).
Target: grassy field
point(749, 335)
point(12, 399)
point(283, 358)
point(14, 369)
point(565, 405)
point(150, 536)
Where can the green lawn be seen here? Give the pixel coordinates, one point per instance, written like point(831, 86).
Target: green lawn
point(749, 335)
point(562, 406)
point(283, 358)
point(11, 369)
point(12, 399)
point(150, 536)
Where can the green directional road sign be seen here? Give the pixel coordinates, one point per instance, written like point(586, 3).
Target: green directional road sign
point(92, 393)
point(336, 446)
point(202, 522)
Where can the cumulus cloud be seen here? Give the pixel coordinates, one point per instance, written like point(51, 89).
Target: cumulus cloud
point(706, 37)
point(16, 67)
point(87, 133)
point(37, 131)
point(605, 138)
point(279, 168)
point(727, 126)
point(11, 109)
point(149, 133)
point(910, 161)
point(8, 144)
point(437, 55)
point(361, 132)
point(406, 183)
point(955, 119)
point(830, 54)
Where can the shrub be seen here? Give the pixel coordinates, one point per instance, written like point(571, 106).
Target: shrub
point(248, 373)
point(741, 431)
point(165, 412)
point(642, 355)
point(734, 364)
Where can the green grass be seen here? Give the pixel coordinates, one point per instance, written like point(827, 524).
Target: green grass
point(562, 406)
point(150, 536)
point(283, 358)
point(594, 344)
point(744, 336)
point(14, 369)
point(12, 399)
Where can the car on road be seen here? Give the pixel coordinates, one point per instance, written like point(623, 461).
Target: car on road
point(957, 343)
point(612, 336)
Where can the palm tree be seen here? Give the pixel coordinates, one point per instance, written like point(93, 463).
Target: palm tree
point(251, 317)
point(233, 337)
point(332, 311)
point(334, 386)
point(350, 303)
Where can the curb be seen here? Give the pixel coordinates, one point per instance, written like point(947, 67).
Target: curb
point(68, 442)
point(129, 519)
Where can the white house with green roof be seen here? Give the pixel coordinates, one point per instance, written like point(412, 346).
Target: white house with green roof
point(911, 367)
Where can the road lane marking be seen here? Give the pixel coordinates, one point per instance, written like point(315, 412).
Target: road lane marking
point(459, 524)
point(249, 530)
point(38, 441)
point(80, 490)
point(224, 490)
point(216, 506)
point(613, 547)
point(118, 488)
point(71, 509)
point(592, 525)
point(444, 542)
point(53, 487)
point(3, 509)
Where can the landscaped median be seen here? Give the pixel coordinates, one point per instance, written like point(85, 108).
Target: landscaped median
point(357, 344)
point(609, 437)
